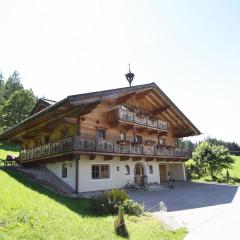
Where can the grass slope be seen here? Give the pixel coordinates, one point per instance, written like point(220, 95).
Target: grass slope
point(8, 150)
point(235, 171)
point(29, 211)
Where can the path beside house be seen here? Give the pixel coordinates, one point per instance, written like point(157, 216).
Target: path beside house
point(209, 211)
point(223, 224)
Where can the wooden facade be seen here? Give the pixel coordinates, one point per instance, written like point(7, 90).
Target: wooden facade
point(138, 122)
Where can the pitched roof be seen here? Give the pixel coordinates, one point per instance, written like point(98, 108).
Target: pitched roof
point(42, 103)
point(96, 97)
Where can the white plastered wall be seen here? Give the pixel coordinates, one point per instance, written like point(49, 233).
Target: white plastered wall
point(117, 179)
point(56, 168)
point(177, 171)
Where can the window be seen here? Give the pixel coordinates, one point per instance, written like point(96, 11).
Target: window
point(127, 170)
point(138, 139)
point(123, 136)
point(100, 171)
point(101, 133)
point(46, 139)
point(150, 169)
point(64, 170)
point(162, 141)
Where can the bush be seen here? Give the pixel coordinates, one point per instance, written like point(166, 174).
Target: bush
point(109, 202)
point(132, 208)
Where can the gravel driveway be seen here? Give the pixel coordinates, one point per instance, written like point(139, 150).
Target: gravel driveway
point(201, 207)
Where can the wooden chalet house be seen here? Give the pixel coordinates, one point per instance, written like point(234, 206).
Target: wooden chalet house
point(101, 140)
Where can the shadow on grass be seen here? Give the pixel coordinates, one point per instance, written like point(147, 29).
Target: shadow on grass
point(80, 206)
point(235, 179)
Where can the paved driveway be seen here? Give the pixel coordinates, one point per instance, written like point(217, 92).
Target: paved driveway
point(209, 211)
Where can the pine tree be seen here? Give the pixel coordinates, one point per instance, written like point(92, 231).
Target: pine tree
point(12, 84)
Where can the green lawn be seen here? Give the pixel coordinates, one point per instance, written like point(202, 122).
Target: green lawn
point(29, 211)
point(8, 150)
point(235, 171)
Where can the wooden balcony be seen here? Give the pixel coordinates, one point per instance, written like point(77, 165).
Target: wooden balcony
point(132, 118)
point(86, 145)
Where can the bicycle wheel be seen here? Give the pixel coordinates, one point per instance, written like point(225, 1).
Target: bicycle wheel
point(146, 186)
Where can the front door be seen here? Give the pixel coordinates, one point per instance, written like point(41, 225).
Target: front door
point(163, 173)
point(139, 174)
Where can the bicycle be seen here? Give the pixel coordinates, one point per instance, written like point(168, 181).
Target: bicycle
point(130, 185)
point(171, 183)
point(145, 185)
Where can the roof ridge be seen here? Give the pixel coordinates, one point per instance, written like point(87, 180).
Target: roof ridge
point(113, 89)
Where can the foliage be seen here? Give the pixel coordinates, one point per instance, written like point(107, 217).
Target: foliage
point(132, 208)
point(214, 158)
point(12, 85)
point(29, 211)
point(14, 111)
point(1, 89)
point(194, 170)
point(109, 201)
point(17, 108)
point(185, 144)
point(233, 147)
point(119, 224)
point(229, 176)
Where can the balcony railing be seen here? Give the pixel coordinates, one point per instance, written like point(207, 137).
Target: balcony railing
point(87, 145)
point(131, 117)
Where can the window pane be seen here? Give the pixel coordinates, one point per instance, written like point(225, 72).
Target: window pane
point(104, 171)
point(100, 171)
point(150, 169)
point(64, 170)
point(101, 133)
point(95, 172)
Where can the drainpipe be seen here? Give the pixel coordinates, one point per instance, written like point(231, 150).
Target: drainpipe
point(77, 174)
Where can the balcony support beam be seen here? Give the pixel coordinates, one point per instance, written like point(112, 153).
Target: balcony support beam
point(149, 159)
point(92, 157)
point(108, 157)
point(137, 159)
point(124, 158)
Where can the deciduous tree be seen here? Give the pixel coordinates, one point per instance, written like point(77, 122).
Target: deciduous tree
point(214, 158)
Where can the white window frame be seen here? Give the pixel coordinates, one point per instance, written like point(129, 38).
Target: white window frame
point(110, 171)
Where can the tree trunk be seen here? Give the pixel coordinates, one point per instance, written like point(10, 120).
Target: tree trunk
point(211, 171)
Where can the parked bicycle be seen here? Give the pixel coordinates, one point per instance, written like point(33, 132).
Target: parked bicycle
point(171, 183)
point(145, 183)
point(130, 185)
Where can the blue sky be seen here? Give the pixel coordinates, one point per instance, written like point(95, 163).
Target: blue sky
point(189, 48)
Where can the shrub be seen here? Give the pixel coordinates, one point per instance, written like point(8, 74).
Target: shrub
point(132, 208)
point(109, 202)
